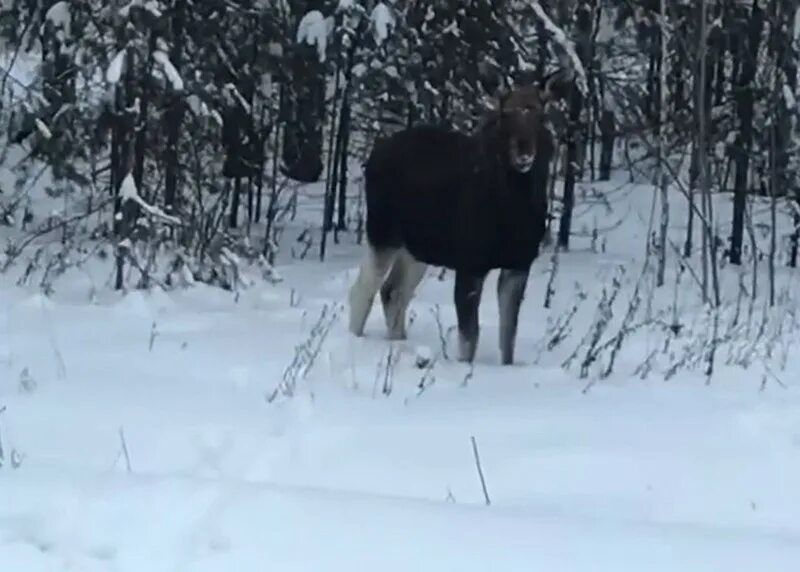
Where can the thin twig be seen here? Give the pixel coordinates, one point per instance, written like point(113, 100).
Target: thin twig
point(2, 454)
point(125, 450)
point(437, 316)
point(480, 471)
point(153, 336)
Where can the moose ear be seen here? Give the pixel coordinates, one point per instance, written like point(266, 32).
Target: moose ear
point(499, 99)
point(557, 85)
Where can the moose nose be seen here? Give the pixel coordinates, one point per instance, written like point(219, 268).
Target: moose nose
point(524, 162)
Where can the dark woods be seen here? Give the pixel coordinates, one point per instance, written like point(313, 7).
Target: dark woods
point(187, 134)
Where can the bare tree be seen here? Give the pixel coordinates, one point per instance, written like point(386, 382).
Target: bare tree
point(661, 176)
point(710, 287)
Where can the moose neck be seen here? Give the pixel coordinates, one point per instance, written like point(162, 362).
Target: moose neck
point(492, 150)
point(516, 178)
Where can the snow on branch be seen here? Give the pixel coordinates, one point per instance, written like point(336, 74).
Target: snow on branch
point(60, 17)
point(314, 30)
point(789, 98)
point(43, 129)
point(383, 21)
point(129, 192)
point(169, 70)
point(150, 6)
point(234, 96)
point(116, 67)
point(568, 45)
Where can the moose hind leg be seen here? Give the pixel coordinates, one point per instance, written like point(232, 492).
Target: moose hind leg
point(398, 290)
point(468, 290)
point(510, 293)
point(370, 277)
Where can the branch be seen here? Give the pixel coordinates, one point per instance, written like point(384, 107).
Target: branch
point(569, 46)
point(480, 471)
point(15, 250)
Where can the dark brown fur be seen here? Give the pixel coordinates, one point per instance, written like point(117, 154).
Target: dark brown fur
point(471, 203)
point(452, 201)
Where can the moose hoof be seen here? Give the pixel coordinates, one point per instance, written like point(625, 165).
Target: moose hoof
point(356, 327)
point(395, 325)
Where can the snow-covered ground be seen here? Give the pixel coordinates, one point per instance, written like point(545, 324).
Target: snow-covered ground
point(147, 432)
point(200, 430)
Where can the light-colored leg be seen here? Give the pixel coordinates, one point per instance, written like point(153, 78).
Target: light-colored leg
point(510, 292)
point(398, 290)
point(371, 274)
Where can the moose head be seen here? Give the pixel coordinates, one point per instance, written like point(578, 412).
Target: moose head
point(521, 117)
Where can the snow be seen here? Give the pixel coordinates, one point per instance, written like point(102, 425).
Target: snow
point(605, 29)
point(796, 27)
point(154, 8)
point(116, 67)
point(788, 97)
point(42, 127)
point(172, 74)
point(197, 105)
point(59, 15)
point(640, 476)
point(562, 40)
point(129, 192)
point(21, 70)
point(198, 429)
point(232, 92)
point(314, 30)
point(151, 6)
point(146, 434)
point(383, 21)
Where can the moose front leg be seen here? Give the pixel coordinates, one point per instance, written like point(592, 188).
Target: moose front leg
point(510, 293)
point(468, 290)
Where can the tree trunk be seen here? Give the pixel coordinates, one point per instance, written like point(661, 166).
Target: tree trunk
point(678, 80)
point(236, 199)
point(250, 202)
point(140, 128)
point(721, 42)
point(174, 115)
point(702, 106)
point(782, 18)
point(583, 27)
point(542, 51)
point(661, 171)
point(272, 204)
point(744, 98)
point(570, 170)
point(305, 103)
point(331, 176)
point(607, 142)
point(344, 152)
point(122, 135)
point(795, 237)
point(688, 244)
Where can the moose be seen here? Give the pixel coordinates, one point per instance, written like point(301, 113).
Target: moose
point(471, 203)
